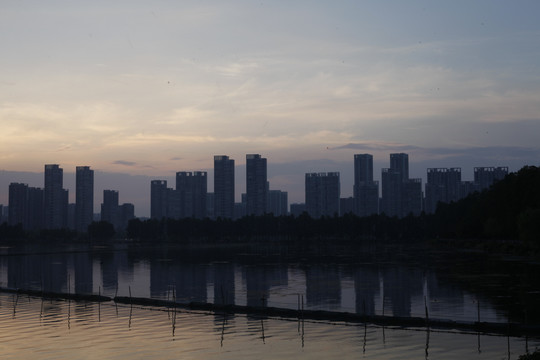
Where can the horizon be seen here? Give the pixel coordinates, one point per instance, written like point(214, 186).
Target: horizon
point(148, 89)
point(137, 191)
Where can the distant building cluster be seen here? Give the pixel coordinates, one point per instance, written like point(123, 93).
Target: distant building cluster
point(191, 199)
point(49, 208)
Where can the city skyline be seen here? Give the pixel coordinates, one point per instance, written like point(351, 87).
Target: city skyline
point(142, 203)
point(153, 88)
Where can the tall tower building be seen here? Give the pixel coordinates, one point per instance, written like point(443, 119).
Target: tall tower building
point(256, 184)
point(392, 190)
point(363, 168)
point(158, 199)
point(400, 195)
point(200, 189)
point(18, 204)
point(84, 197)
point(365, 191)
point(184, 189)
point(400, 163)
point(55, 197)
point(223, 186)
point(35, 208)
point(443, 185)
point(192, 190)
point(109, 207)
point(322, 194)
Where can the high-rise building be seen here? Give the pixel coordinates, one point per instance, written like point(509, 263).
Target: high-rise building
point(484, 177)
point(443, 185)
point(210, 202)
point(365, 190)
point(400, 195)
point(109, 207)
point(400, 163)
point(256, 184)
point(174, 204)
point(55, 198)
point(126, 213)
point(192, 190)
point(84, 197)
point(158, 199)
point(322, 194)
point(411, 201)
point(277, 202)
point(363, 168)
point(223, 186)
point(392, 186)
point(18, 204)
point(35, 208)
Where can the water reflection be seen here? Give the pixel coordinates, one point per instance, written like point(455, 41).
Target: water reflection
point(66, 330)
point(160, 272)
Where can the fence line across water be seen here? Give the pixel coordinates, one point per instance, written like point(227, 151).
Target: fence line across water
point(507, 329)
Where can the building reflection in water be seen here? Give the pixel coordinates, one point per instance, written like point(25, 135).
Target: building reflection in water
point(184, 281)
point(46, 272)
point(376, 289)
point(224, 288)
point(83, 271)
point(366, 287)
point(323, 286)
point(259, 279)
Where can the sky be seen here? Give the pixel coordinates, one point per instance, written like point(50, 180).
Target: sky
point(142, 89)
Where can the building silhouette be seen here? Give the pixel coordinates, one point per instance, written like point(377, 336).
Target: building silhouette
point(365, 190)
point(35, 208)
point(55, 198)
point(158, 199)
point(18, 204)
point(109, 207)
point(297, 209)
point(256, 184)
point(484, 177)
point(400, 162)
point(443, 185)
point(210, 201)
point(392, 189)
point(126, 212)
point(322, 194)
point(346, 206)
point(25, 206)
point(223, 186)
point(84, 197)
point(277, 202)
point(192, 192)
point(400, 195)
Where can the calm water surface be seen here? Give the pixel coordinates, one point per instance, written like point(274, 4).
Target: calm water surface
point(33, 328)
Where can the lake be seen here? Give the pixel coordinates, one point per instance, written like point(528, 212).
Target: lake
point(384, 284)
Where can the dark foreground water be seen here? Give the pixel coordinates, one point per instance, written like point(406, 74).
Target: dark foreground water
point(381, 284)
point(32, 328)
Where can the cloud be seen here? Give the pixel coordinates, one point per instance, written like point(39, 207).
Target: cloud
point(376, 147)
point(125, 163)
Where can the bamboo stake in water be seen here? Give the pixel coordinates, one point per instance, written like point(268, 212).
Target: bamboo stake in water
point(99, 304)
point(478, 303)
point(426, 307)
